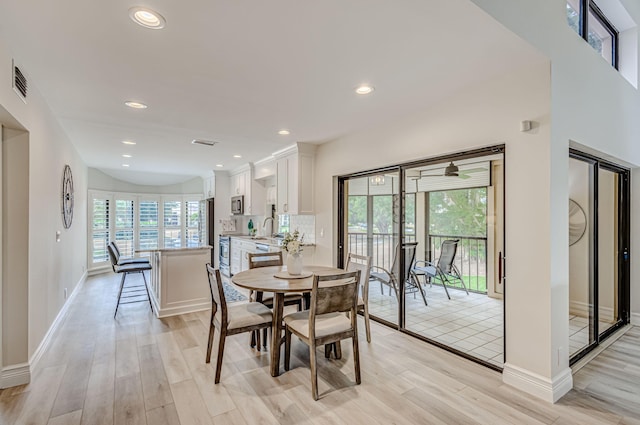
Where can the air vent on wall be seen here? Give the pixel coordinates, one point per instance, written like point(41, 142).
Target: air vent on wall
point(19, 82)
point(203, 142)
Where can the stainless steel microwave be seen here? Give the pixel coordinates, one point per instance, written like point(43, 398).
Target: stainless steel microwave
point(237, 205)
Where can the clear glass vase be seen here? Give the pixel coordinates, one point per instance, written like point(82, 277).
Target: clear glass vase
point(294, 264)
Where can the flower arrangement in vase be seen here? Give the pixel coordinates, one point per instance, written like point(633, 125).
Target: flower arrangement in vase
point(292, 244)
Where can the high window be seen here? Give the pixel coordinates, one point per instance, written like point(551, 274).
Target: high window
point(588, 20)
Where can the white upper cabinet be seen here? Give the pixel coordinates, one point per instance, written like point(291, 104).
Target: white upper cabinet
point(295, 180)
point(209, 187)
point(241, 182)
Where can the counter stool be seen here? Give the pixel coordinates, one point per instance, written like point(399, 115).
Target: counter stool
point(125, 269)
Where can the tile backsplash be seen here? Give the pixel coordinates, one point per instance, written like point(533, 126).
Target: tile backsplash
point(306, 225)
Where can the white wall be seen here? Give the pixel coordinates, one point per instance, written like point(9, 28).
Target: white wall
point(481, 115)
point(52, 266)
point(101, 181)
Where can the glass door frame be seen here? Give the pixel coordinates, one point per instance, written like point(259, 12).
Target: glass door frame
point(624, 239)
point(402, 168)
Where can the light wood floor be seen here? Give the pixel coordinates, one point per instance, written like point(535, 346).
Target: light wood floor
point(141, 370)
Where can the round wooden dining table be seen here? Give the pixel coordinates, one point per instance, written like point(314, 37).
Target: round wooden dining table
point(275, 279)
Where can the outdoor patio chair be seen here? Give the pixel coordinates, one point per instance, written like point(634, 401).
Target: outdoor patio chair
point(389, 277)
point(443, 271)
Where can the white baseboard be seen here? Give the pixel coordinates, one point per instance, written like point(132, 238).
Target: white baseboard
point(635, 319)
point(14, 375)
point(62, 314)
point(537, 385)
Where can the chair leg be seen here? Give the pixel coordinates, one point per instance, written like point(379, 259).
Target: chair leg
point(124, 275)
point(314, 371)
point(337, 347)
point(443, 279)
point(417, 282)
point(264, 338)
point(147, 288)
point(220, 354)
point(287, 348)
point(367, 325)
point(253, 339)
point(212, 330)
point(356, 358)
point(327, 351)
point(258, 345)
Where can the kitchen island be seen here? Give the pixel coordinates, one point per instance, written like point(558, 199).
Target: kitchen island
point(179, 281)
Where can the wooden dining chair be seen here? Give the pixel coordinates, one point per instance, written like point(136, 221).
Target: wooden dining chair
point(268, 259)
point(362, 263)
point(239, 318)
point(325, 323)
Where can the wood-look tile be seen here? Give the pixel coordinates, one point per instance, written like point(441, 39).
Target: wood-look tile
point(147, 371)
point(163, 415)
point(129, 402)
point(215, 397)
point(172, 359)
point(189, 404)
point(71, 418)
point(73, 387)
point(127, 362)
point(37, 408)
point(99, 402)
point(155, 385)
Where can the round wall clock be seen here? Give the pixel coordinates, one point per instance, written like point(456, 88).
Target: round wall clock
point(67, 197)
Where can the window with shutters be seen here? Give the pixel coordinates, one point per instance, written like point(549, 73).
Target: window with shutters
point(192, 223)
point(124, 221)
point(99, 231)
point(172, 212)
point(149, 237)
point(141, 222)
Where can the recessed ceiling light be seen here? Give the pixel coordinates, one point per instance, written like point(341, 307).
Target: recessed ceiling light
point(128, 142)
point(364, 89)
point(219, 165)
point(237, 156)
point(284, 132)
point(135, 105)
point(125, 165)
point(126, 156)
point(147, 18)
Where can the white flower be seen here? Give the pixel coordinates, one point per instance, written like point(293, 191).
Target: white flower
point(292, 242)
point(294, 247)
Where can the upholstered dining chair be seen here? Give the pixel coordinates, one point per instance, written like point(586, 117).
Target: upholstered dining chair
point(362, 263)
point(132, 293)
point(238, 318)
point(325, 323)
point(267, 259)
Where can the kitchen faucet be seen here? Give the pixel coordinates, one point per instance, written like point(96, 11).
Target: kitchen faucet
point(264, 224)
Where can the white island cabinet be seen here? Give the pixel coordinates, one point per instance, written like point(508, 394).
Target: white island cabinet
point(179, 282)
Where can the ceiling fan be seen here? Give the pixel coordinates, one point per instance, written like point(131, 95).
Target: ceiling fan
point(450, 170)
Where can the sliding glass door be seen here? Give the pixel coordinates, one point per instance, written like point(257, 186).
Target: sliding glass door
point(434, 230)
point(598, 251)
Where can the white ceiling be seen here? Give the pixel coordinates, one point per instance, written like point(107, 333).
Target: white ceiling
point(237, 71)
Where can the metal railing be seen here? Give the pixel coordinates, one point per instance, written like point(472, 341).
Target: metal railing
point(471, 256)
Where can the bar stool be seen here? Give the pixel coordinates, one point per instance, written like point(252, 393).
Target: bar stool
point(125, 269)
